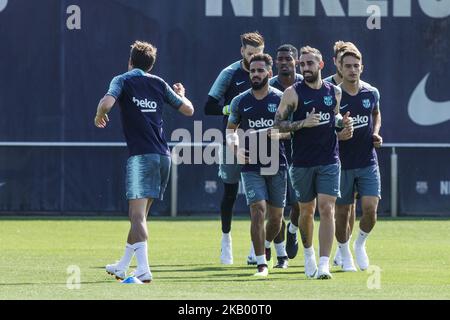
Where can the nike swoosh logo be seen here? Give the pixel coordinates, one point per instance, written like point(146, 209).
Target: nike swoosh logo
point(246, 109)
point(2, 184)
point(239, 83)
point(343, 107)
point(424, 111)
point(308, 102)
point(360, 126)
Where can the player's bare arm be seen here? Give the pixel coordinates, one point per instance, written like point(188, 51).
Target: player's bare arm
point(104, 107)
point(377, 139)
point(232, 140)
point(345, 122)
point(186, 108)
point(288, 106)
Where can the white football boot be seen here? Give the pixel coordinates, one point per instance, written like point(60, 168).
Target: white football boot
point(114, 270)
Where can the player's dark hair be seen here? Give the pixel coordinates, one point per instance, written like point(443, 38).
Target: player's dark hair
point(143, 55)
point(289, 48)
point(263, 57)
point(313, 51)
point(254, 39)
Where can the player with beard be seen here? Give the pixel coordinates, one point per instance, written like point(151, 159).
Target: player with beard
point(310, 109)
point(360, 169)
point(287, 62)
point(264, 181)
point(232, 81)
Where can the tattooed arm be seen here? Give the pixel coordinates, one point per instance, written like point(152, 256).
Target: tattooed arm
point(288, 106)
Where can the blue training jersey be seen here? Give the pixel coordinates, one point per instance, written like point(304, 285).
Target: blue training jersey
point(359, 152)
point(232, 81)
point(318, 145)
point(141, 98)
point(274, 82)
point(252, 114)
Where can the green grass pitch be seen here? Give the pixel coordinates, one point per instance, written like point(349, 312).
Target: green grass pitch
point(413, 256)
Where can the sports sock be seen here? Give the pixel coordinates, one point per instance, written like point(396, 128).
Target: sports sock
point(261, 260)
point(140, 249)
point(362, 237)
point(292, 229)
point(280, 248)
point(124, 263)
point(267, 244)
point(324, 261)
point(309, 251)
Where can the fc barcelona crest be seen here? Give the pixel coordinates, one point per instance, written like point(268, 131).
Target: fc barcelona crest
point(272, 107)
point(328, 100)
point(366, 103)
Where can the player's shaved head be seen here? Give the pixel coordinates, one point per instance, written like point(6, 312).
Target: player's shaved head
point(143, 55)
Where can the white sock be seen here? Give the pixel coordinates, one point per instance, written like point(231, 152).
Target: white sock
point(292, 229)
point(140, 249)
point(309, 251)
point(252, 250)
point(344, 249)
point(124, 263)
point(362, 237)
point(267, 244)
point(226, 237)
point(324, 261)
point(280, 248)
point(261, 260)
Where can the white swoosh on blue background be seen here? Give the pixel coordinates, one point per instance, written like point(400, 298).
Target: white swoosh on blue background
point(424, 111)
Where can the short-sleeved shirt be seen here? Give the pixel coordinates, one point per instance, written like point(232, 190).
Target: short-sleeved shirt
point(318, 145)
point(252, 114)
point(359, 152)
point(232, 81)
point(141, 98)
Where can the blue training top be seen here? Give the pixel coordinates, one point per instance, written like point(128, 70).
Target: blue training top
point(141, 97)
point(318, 145)
point(232, 81)
point(274, 82)
point(359, 152)
point(252, 114)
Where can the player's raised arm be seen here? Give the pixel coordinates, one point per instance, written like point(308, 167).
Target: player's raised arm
point(186, 108)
